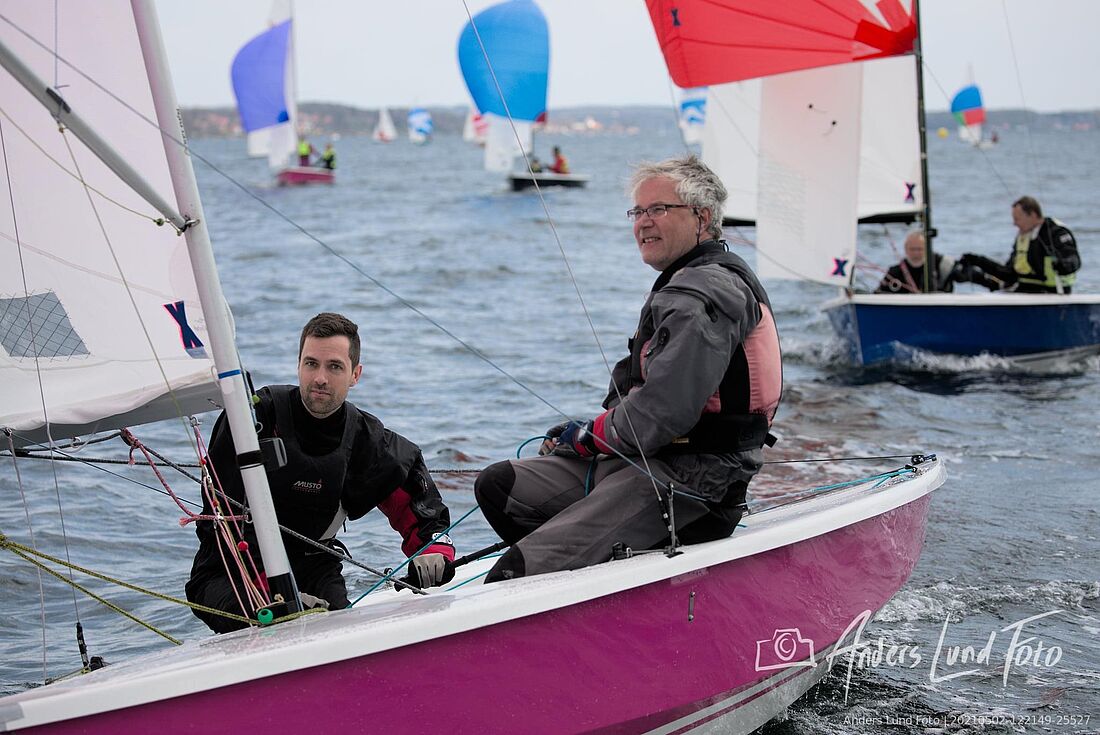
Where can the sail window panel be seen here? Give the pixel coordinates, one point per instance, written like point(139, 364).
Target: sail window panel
point(38, 326)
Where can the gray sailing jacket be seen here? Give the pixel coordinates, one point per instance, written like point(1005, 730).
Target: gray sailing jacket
point(704, 319)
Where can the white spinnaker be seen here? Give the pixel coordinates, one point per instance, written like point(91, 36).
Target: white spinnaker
point(889, 148)
point(66, 281)
point(501, 148)
point(809, 174)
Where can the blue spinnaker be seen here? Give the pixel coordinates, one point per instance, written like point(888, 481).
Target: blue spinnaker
point(517, 42)
point(259, 78)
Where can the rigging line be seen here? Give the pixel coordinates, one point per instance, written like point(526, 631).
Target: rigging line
point(91, 462)
point(233, 501)
point(733, 121)
point(130, 294)
point(1031, 157)
point(34, 347)
point(676, 115)
point(985, 156)
point(345, 259)
point(30, 530)
point(155, 220)
point(568, 267)
point(23, 552)
point(166, 134)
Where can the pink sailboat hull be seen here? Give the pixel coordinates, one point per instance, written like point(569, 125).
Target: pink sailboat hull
point(295, 175)
point(668, 656)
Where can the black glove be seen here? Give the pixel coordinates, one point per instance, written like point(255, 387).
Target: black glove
point(430, 570)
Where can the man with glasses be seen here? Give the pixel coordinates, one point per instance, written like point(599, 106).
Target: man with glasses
point(687, 413)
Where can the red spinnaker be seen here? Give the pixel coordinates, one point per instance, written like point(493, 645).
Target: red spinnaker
point(718, 41)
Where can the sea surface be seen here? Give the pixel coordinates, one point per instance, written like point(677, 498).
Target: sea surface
point(485, 314)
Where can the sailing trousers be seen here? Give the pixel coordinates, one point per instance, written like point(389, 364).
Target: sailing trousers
point(567, 513)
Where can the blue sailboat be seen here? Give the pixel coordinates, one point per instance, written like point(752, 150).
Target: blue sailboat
point(263, 75)
point(420, 125)
point(515, 38)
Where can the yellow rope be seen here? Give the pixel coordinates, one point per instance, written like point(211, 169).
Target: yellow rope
point(26, 552)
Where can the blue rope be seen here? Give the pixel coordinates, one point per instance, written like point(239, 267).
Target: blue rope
point(822, 488)
point(405, 563)
point(471, 579)
point(544, 437)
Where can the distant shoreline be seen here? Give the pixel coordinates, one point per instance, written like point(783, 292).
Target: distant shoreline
point(322, 118)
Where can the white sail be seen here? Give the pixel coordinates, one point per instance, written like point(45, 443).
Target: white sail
point(809, 174)
point(100, 325)
point(475, 128)
point(501, 146)
point(730, 140)
point(889, 172)
point(384, 130)
point(889, 169)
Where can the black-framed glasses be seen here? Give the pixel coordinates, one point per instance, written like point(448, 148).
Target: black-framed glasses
point(655, 210)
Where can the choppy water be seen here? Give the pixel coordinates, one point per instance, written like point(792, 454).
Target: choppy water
point(1012, 535)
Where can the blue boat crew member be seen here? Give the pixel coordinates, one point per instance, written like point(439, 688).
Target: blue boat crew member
point(691, 403)
point(908, 275)
point(341, 463)
point(1044, 258)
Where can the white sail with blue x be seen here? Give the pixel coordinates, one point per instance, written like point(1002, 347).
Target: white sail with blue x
point(100, 324)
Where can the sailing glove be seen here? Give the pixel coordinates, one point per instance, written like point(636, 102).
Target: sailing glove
point(309, 601)
point(552, 434)
point(430, 570)
point(576, 440)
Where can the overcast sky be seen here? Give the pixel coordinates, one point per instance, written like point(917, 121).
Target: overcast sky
point(603, 52)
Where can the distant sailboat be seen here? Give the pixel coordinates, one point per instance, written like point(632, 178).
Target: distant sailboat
point(969, 111)
point(384, 129)
point(476, 127)
point(693, 113)
point(511, 95)
point(420, 125)
point(264, 82)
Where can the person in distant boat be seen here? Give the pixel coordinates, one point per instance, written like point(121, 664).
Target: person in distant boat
point(560, 164)
point(688, 408)
point(328, 157)
point(341, 462)
point(305, 151)
point(908, 275)
point(536, 165)
point(1044, 258)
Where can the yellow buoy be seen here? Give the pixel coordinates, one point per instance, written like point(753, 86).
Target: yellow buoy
point(942, 132)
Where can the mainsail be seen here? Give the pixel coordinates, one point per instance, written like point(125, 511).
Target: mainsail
point(100, 324)
point(263, 75)
point(812, 95)
point(384, 130)
point(516, 40)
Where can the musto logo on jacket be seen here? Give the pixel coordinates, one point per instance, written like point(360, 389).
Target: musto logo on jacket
point(305, 486)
